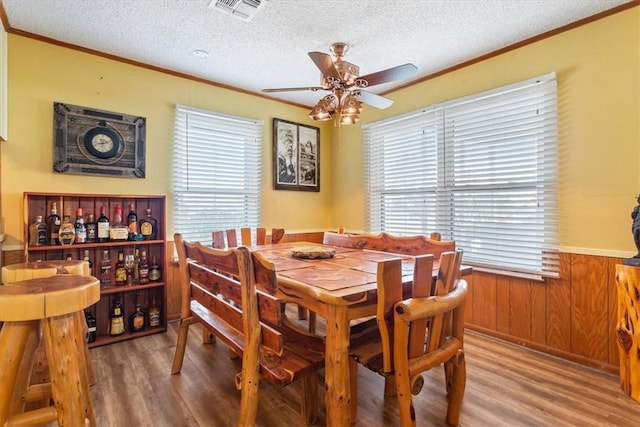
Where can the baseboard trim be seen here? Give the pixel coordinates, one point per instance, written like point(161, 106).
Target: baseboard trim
point(595, 364)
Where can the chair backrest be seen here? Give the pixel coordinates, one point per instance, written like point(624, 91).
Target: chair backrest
point(390, 292)
point(219, 287)
point(385, 242)
point(218, 237)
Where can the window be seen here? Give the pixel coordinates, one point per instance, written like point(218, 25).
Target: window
point(216, 173)
point(481, 170)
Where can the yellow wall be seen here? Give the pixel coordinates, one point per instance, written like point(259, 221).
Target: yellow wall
point(598, 70)
point(41, 73)
point(598, 67)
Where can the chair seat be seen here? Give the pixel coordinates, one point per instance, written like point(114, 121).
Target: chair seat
point(365, 345)
point(294, 362)
point(46, 297)
point(33, 270)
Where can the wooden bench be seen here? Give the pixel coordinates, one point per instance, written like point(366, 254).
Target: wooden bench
point(231, 292)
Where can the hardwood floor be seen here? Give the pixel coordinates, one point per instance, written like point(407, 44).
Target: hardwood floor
point(506, 386)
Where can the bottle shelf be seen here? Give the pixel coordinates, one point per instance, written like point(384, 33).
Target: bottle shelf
point(113, 289)
point(39, 204)
point(108, 339)
point(111, 244)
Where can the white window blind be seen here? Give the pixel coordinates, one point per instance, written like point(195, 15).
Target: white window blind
point(481, 170)
point(216, 172)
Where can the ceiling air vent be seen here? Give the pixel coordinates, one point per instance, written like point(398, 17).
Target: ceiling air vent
point(242, 9)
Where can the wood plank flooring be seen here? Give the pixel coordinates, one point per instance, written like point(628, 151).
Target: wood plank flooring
point(506, 386)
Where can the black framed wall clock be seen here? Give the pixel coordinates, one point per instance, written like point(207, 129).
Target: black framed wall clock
point(89, 141)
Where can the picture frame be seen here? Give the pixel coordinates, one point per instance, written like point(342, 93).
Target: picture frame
point(89, 141)
point(296, 156)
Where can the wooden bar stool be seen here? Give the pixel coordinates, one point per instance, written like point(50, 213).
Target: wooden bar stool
point(50, 305)
point(33, 270)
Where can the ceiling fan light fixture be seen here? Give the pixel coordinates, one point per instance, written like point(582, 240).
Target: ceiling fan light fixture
point(349, 119)
point(319, 112)
point(351, 105)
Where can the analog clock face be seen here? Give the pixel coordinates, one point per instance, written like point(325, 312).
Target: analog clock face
point(103, 142)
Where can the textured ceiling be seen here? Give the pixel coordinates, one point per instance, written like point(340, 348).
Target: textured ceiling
point(271, 49)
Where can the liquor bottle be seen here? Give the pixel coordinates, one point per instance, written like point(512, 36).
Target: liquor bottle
point(37, 232)
point(67, 231)
point(117, 230)
point(137, 321)
point(155, 271)
point(86, 258)
point(105, 269)
point(129, 262)
point(53, 224)
point(136, 266)
point(103, 226)
point(92, 229)
point(148, 227)
point(121, 271)
point(143, 268)
point(132, 222)
point(81, 230)
point(154, 313)
point(117, 318)
point(91, 325)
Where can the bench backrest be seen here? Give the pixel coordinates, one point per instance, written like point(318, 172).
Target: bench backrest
point(385, 242)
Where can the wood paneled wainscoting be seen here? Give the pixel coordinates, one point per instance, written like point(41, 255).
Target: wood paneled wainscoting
point(572, 317)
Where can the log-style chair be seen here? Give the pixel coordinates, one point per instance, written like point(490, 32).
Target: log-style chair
point(218, 237)
point(232, 296)
point(443, 313)
point(385, 242)
point(416, 333)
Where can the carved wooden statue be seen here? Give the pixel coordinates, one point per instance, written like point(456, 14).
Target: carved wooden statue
point(628, 328)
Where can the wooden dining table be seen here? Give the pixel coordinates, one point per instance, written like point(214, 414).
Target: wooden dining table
point(341, 288)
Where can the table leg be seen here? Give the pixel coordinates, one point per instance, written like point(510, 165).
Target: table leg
point(338, 396)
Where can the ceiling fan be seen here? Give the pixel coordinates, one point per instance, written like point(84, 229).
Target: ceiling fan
point(342, 79)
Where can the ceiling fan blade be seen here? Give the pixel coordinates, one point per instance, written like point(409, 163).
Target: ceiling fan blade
point(325, 64)
point(292, 89)
point(374, 100)
point(389, 75)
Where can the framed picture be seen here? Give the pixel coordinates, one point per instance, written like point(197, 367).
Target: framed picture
point(296, 156)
